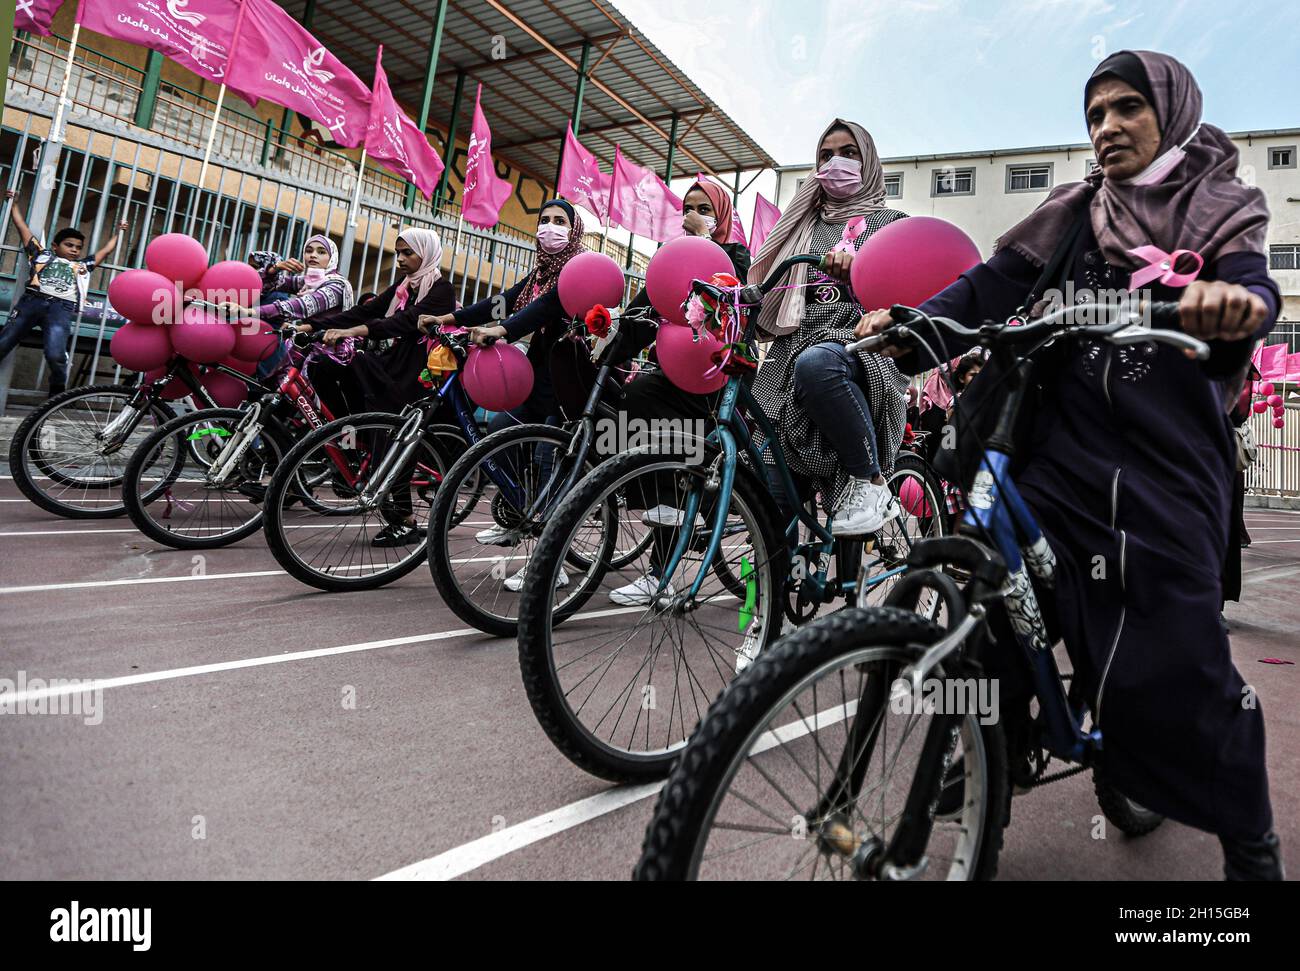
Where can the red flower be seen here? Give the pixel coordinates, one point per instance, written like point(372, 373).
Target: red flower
point(598, 321)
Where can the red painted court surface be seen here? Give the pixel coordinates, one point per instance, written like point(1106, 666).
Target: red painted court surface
point(223, 717)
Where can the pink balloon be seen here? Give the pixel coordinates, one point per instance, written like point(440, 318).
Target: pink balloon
point(1260, 407)
point(590, 279)
point(909, 261)
point(913, 498)
point(141, 347)
point(226, 391)
point(232, 281)
point(254, 341)
point(243, 367)
point(685, 356)
point(498, 377)
point(178, 257)
point(671, 270)
point(1279, 423)
point(1268, 389)
point(1275, 401)
point(144, 296)
point(201, 337)
point(176, 389)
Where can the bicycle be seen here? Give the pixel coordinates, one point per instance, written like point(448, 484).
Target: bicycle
point(368, 482)
point(199, 480)
point(69, 454)
point(831, 718)
point(711, 593)
point(512, 481)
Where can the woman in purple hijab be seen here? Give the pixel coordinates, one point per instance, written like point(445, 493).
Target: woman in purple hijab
point(1128, 458)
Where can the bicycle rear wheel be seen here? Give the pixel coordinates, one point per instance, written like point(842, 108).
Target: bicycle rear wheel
point(618, 687)
point(333, 536)
point(801, 769)
point(170, 490)
point(922, 516)
point(69, 456)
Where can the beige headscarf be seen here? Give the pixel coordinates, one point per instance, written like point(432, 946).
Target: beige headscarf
point(792, 234)
point(428, 247)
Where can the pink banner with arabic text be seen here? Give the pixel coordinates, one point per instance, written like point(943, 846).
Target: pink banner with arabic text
point(395, 141)
point(35, 16)
point(641, 203)
point(485, 193)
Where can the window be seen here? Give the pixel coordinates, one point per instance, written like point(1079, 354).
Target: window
point(1088, 166)
point(1029, 178)
point(893, 185)
point(1284, 257)
point(1282, 158)
point(953, 182)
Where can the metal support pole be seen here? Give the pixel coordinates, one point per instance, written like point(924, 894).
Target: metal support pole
point(148, 103)
point(575, 119)
point(449, 149)
point(350, 230)
point(672, 150)
point(430, 73)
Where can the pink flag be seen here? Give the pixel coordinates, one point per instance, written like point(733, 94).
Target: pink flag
point(737, 228)
point(280, 61)
point(1292, 369)
point(197, 34)
point(581, 179)
point(765, 217)
point(1272, 362)
point(35, 16)
point(485, 194)
point(641, 203)
point(393, 139)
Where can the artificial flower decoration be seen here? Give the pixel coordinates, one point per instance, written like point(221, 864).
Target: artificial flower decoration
point(599, 321)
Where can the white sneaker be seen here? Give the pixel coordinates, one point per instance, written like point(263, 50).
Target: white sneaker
point(640, 593)
point(516, 583)
point(495, 536)
point(668, 516)
point(749, 648)
point(864, 510)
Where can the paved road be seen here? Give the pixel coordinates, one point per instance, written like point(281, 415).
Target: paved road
point(226, 749)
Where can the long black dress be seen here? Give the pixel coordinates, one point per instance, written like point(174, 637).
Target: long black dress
point(1129, 468)
point(386, 380)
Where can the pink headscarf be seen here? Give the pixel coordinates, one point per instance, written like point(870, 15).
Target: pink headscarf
point(428, 247)
point(720, 199)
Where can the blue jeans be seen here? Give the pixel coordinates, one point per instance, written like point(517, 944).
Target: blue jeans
point(54, 317)
point(828, 386)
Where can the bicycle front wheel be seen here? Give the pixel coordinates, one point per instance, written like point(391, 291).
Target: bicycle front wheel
point(325, 522)
point(802, 768)
point(619, 686)
point(69, 456)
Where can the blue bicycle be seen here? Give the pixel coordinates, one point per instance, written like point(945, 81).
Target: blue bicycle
point(719, 571)
point(868, 745)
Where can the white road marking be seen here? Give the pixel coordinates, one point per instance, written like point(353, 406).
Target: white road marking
point(89, 584)
point(470, 856)
point(150, 677)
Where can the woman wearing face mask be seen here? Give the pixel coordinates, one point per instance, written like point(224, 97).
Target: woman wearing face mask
point(314, 282)
point(1129, 456)
point(841, 416)
point(534, 307)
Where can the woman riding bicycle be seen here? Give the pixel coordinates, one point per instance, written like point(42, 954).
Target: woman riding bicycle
point(841, 416)
point(1129, 455)
point(706, 212)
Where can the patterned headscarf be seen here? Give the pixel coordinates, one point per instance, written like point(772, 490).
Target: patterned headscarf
point(792, 234)
point(1201, 205)
point(546, 274)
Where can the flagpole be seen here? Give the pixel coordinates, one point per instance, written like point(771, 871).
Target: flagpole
point(56, 127)
point(216, 119)
point(455, 247)
point(606, 237)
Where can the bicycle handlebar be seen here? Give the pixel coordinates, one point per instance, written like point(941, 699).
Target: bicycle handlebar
point(1127, 326)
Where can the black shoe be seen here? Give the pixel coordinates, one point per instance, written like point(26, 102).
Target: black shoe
point(402, 534)
point(255, 491)
point(1259, 859)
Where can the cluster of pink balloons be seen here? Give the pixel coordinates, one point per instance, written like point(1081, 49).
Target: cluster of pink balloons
point(1268, 399)
point(165, 307)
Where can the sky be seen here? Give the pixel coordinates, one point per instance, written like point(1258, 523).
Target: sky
point(934, 76)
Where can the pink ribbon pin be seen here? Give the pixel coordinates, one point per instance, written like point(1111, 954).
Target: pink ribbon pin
point(852, 230)
point(1160, 267)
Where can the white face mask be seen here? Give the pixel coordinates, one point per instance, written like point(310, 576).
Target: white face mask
point(710, 224)
point(1159, 170)
point(552, 238)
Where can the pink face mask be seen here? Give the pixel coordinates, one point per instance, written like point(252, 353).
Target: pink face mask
point(314, 276)
point(1159, 170)
point(841, 177)
point(552, 238)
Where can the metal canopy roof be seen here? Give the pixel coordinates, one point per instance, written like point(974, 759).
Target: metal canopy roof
point(631, 94)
